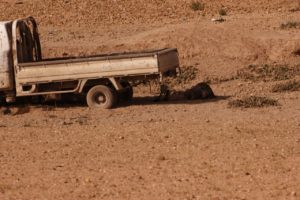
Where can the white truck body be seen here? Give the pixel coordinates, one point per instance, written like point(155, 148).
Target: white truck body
point(6, 78)
point(23, 72)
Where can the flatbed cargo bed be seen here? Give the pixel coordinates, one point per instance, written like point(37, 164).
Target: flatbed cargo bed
point(99, 57)
point(100, 66)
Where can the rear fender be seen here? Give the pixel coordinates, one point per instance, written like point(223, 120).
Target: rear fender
point(112, 82)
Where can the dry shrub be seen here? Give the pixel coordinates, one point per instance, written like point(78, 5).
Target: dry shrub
point(222, 12)
point(290, 24)
point(187, 74)
point(288, 86)
point(196, 6)
point(200, 91)
point(253, 102)
point(268, 72)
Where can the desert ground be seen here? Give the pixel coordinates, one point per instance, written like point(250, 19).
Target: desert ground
point(177, 149)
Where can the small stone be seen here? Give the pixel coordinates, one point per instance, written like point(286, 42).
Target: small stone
point(88, 180)
point(161, 158)
point(219, 19)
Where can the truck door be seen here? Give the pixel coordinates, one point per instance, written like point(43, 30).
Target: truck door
point(27, 39)
point(24, 43)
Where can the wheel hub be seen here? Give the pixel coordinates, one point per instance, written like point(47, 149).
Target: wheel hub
point(100, 98)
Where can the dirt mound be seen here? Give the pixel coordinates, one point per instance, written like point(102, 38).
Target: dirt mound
point(251, 33)
point(108, 12)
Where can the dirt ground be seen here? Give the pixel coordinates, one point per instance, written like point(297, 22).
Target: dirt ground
point(176, 149)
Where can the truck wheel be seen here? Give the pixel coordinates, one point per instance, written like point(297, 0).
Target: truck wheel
point(101, 96)
point(127, 93)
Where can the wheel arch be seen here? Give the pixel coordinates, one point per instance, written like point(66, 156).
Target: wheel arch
point(87, 84)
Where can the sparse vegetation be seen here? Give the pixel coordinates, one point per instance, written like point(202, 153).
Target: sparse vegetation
point(218, 80)
point(197, 6)
point(290, 24)
point(222, 12)
point(268, 72)
point(186, 75)
point(261, 72)
point(253, 102)
point(287, 87)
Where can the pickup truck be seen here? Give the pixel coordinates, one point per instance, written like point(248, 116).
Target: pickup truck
point(101, 78)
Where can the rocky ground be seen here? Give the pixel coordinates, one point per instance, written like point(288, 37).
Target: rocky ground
point(179, 149)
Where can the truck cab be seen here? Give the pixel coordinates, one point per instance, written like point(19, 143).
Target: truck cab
point(19, 43)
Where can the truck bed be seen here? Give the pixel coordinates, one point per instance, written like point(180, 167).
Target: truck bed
point(98, 66)
point(100, 57)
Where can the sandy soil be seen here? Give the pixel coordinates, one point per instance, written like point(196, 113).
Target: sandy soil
point(168, 150)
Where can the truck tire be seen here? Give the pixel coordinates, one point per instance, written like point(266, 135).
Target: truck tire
point(127, 93)
point(101, 96)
